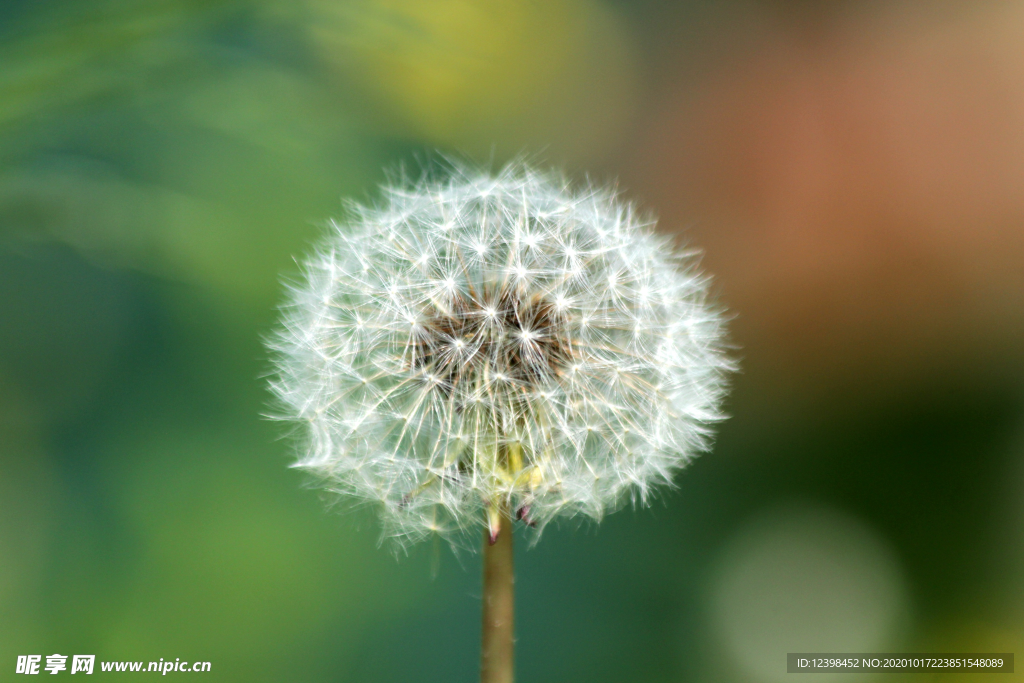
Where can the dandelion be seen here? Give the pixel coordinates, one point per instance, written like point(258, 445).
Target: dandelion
point(487, 348)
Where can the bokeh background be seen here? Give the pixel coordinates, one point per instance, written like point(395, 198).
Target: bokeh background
point(854, 172)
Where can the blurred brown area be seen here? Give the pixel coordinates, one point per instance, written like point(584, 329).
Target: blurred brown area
point(855, 176)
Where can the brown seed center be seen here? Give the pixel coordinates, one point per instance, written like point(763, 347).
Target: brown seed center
point(496, 336)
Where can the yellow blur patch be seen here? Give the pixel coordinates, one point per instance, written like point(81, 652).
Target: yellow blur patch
point(485, 74)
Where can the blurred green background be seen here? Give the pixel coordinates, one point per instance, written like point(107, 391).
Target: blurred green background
point(854, 172)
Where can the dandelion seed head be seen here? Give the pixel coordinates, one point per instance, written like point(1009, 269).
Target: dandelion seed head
point(498, 340)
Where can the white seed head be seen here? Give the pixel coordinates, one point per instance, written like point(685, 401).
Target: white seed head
point(498, 341)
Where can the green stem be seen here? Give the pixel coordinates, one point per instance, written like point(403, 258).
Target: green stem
point(496, 660)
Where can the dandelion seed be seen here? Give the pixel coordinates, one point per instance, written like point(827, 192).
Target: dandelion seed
point(481, 344)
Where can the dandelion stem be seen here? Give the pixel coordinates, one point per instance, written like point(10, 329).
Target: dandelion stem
point(496, 662)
